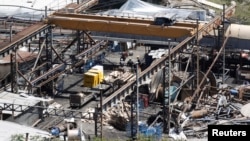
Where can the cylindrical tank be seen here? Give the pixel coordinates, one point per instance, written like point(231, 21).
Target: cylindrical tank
point(55, 131)
point(74, 134)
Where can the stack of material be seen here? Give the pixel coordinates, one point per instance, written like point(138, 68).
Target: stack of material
point(118, 75)
point(111, 77)
point(118, 116)
point(156, 54)
point(126, 76)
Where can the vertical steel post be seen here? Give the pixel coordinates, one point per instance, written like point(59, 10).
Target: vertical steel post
point(101, 94)
point(164, 99)
point(78, 45)
point(96, 120)
point(137, 99)
point(1, 113)
point(132, 117)
point(12, 72)
point(11, 32)
point(224, 50)
point(27, 137)
point(197, 55)
point(47, 50)
point(169, 84)
point(197, 31)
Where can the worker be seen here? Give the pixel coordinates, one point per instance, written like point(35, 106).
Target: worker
point(138, 61)
point(238, 73)
point(130, 63)
point(121, 62)
point(123, 56)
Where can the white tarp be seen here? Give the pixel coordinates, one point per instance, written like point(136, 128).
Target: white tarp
point(9, 129)
point(141, 9)
point(30, 9)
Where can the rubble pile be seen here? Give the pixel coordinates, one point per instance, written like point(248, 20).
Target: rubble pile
point(118, 116)
point(190, 116)
point(223, 108)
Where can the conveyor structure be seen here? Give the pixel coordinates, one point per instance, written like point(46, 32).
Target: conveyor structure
point(41, 30)
point(127, 26)
point(139, 27)
point(134, 26)
point(121, 25)
point(127, 88)
point(131, 26)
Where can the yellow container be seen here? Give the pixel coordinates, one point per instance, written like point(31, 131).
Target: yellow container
point(100, 74)
point(90, 79)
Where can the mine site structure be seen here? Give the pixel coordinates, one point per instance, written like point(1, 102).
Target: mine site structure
point(41, 35)
point(184, 32)
point(191, 30)
point(49, 65)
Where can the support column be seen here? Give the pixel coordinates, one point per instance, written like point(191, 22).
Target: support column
point(224, 49)
point(12, 72)
point(78, 36)
point(169, 84)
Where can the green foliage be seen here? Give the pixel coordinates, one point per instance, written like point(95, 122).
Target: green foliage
point(21, 137)
point(17, 137)
point(242, 13)
point(140, 138)
point(104, 139)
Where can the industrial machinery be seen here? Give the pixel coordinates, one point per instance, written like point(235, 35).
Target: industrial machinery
point(76, 100)
point(90, 79)
point(93, 77)
point(79, 99)
point(69, 130)
point(166, 20)
point(182, 29)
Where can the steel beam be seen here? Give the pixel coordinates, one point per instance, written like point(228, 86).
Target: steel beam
point(121, 25)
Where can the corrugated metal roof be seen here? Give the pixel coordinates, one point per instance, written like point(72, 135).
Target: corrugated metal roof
point(11, 98)
point(21, 56)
